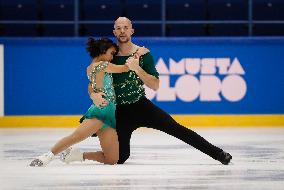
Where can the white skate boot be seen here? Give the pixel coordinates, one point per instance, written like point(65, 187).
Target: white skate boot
point(42, 160)
point(71, 155)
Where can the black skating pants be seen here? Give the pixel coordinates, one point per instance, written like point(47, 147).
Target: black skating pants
point(144, 113)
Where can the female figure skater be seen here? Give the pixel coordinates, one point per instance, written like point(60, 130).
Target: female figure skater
point(99, 120)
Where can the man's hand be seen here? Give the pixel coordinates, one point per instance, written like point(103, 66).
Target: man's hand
point(98, 99)
point(132, 63)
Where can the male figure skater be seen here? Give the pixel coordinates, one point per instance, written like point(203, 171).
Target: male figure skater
point(134, 110)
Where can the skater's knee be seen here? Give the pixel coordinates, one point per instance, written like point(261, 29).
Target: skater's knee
point(123, 158)
point(111, 161)
point(121, 161)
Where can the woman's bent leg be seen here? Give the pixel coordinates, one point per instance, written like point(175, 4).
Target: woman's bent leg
point(110, 148)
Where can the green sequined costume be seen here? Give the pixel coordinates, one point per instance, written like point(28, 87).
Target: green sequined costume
point(107, 113)
point(128, 86)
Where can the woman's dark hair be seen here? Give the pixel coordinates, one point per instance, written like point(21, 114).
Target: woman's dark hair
point(100, 46)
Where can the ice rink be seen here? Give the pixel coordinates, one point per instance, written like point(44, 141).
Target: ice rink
point(157, 161)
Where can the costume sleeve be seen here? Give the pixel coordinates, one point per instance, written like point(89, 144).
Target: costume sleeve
point(148, 64)
point(101, 66)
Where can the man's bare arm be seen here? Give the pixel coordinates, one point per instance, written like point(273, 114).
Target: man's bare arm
point(149, 80)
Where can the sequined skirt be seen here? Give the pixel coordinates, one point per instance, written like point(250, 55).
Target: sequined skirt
point(105, 114)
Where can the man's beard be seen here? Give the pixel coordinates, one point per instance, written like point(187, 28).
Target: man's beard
point(126, 39)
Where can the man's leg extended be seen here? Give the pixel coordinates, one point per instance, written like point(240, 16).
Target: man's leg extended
point(156, 118)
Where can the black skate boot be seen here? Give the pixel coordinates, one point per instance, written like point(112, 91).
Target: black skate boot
point(225, 157)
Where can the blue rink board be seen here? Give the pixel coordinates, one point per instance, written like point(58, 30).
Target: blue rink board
point(47, 76)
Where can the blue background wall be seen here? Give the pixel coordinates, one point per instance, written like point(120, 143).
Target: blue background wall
point(47, 76)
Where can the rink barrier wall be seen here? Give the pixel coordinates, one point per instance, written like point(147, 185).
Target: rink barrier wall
point(1, 80)
point(67, 121)
point(214, 76)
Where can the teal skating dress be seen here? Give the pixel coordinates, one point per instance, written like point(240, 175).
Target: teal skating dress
point(105, 114)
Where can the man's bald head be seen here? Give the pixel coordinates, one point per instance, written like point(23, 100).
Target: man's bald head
point(123, 30)
point(122, 20)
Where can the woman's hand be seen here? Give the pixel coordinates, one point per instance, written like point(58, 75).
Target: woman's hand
point(132, 63)
point(98, 99)
point(141, 51)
